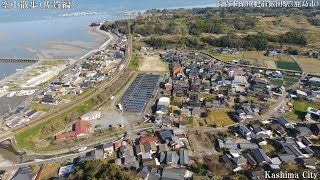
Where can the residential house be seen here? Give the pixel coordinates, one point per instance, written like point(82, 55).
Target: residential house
point(239, 83)
point(293, 149)
point(163, 147)
point(179, 132)
point(305, 141)
point(278, 129)
point(129, 162)
point(108, 149)
point(171, 158)
point(310, 162)
point(173, 174)
point(227, 143)
point(303, 131)
point(65, 170)
point(256, 174)
point(313, 114)
point(177, 70)
point(24, 173)
point(245, 144)
point(314, 81)
point(117, 144)
point(271, 53)
point(243, 131)
point(240, 162)
point(166, 135)
point(139, 149)
point(275, 163)
point(250, 159)
point(287, 158)
point(150, 147)
point(184, 157)
point(284, 123)
point(146, 139)
point(315, 129)
point(49, 100)
point(168, 84)
point(162, 105)
point(154, 174)
point(81, 129)
point(260, 156)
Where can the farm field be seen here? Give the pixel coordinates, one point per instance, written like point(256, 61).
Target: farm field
point(219, 118)
point(286, 81)
point(270, 64)
point(310, 65)
point(288, 65)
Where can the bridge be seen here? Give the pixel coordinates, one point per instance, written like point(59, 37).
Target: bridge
point(18, 60)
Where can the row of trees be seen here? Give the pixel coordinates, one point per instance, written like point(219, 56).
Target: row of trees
point(250, 42)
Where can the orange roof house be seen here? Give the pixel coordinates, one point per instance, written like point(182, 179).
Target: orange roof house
point(177, 70)
point(146, 139)
point(81, 129)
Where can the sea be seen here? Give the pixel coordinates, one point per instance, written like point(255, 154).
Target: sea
point(62, 32)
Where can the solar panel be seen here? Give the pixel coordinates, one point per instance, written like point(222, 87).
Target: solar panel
point(139, 92)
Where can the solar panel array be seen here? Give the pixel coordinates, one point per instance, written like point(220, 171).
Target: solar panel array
point(142, 88)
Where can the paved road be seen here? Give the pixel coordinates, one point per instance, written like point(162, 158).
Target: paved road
point(73, 151)
point(275, 107)
point(281, 101)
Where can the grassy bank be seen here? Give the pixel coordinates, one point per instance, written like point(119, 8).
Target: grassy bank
point(133, 64)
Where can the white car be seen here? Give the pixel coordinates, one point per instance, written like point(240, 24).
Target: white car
point(82, 149)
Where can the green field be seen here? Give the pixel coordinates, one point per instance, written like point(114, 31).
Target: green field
point(288, 65)
point(276, 82)
point(286, 81)
point(40, 107)
point(29, 137)
point(300, 107)
point(218, 117)
point(289, 81)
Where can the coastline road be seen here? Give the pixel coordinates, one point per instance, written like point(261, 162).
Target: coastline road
point(110, 36)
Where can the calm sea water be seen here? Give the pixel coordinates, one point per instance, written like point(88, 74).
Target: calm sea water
point(23, 31)
point(8, 68)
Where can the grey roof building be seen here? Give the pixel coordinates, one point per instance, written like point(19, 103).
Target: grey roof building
point(173, 173)
point(260, 156)
point(288, 158)
point(24, 174)
point(184, 157)
point(172, 158)
point(293, 149)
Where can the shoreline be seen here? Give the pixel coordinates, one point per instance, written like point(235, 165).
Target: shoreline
point(135, 13)
point(95, 31)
